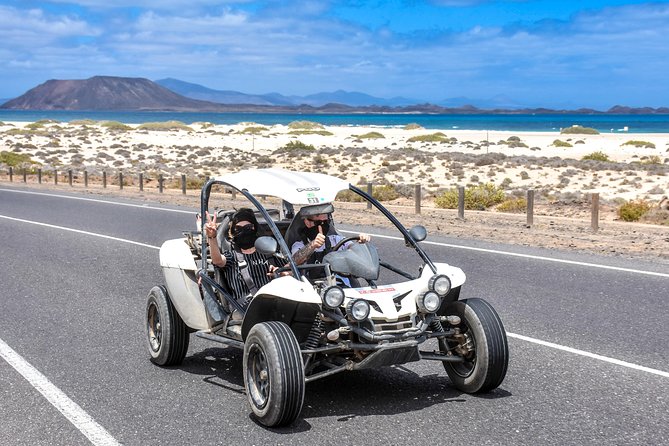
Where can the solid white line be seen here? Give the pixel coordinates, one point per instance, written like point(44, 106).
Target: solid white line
point(589, 355)
point(527, 256)
point(98, 201)
point(109, 237)
point(97, 434)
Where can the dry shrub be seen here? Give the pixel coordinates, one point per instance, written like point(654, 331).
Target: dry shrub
point(633, 210)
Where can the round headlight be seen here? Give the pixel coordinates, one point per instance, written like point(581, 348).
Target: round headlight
point(333, 297)
point(428, 302)
point(358, 309)
point(440, 284)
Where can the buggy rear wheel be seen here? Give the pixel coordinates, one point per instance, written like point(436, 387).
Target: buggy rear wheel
point(273, 373)
point(167, 334)
point(483, 345)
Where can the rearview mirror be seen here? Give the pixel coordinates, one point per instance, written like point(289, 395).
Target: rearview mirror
point(418, 233)
point(266, 245)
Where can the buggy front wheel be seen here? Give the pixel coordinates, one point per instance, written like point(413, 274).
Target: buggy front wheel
point(167, 334)
point(482, 344)
point(273, 373)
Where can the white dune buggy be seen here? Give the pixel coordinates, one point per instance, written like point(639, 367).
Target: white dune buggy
point(363, 311)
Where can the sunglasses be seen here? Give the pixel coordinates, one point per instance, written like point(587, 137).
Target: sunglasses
point(239, 228)
point(317, 222)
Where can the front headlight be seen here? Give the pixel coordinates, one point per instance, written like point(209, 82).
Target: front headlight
point(440, 284)
point(333, 297)
point(428, 302)
point(358, 309)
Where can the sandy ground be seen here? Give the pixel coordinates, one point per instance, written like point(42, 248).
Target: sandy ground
point(516, 160)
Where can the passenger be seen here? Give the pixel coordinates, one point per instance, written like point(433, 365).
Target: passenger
point(243, 269)
point(316, 242)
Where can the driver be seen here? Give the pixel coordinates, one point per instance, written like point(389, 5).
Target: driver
point(317, 240)
point(244, 269)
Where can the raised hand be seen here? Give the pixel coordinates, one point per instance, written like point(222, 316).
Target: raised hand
point(319, 240)
point(210, 226)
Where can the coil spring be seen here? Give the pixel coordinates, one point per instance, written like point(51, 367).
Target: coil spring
point(436, 327)
point(315, 333)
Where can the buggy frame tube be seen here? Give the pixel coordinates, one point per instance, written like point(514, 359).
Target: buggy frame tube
point(396, 222)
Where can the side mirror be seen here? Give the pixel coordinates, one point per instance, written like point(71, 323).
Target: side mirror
point(266, 245)
point(418, 233)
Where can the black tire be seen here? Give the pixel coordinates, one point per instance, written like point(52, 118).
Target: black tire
point(166, 333)
point(273, 373)
point(485, 367)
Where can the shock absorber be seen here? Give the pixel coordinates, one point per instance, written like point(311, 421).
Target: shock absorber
point(435, 325)
point(315, 333)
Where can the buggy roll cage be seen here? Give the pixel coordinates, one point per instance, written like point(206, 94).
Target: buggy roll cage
point(208, 282)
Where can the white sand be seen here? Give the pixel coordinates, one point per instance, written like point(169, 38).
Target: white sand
point(214, 150)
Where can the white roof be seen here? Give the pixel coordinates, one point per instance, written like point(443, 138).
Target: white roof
point(295, 187)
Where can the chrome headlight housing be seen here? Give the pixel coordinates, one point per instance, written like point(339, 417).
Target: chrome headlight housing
point(332, 297)
point(440, 284)
point(428, 302)
point(358, 309)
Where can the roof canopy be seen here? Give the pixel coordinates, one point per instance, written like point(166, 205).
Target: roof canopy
point(300, 188)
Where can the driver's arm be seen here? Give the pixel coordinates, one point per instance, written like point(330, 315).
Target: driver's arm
point(302, 252)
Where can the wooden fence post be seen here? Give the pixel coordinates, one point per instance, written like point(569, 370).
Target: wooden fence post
point(141, 181)
point(160, 183)
point(11, 174)
point(530, 208)
point(69, 177)
point(39, 176)
point(55, 176)
point(417, 197)
point(104, 179)
point(183, 184)
point(461, 202)
point(85, 178)
point(120, 180)
point(595, 212)
point(25, 175)
point(370, 192)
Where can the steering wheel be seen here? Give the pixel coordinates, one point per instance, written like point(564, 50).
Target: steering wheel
point(344, 241)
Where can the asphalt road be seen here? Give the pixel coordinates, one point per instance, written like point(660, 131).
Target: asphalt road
point(72, 307)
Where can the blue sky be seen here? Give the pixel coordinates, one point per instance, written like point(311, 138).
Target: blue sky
point(590, 53)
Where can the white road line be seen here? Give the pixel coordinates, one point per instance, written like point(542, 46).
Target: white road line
point(98, 201)
point(513, 335)
point(588, 354)
point(80, 232)
point(97, 434)
point(527, 256)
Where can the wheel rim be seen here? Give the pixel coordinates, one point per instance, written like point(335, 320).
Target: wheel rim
point(465, 368)
point(154, 328)
point(258, 376)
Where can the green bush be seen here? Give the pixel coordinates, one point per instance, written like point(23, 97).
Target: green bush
point(479, 197)
point(579, 130)
point(310, 132)
point(295, 146)
point(83, 122)
point(560, 143)
point(413, 126)
point(637, 143)
point(434, 137)
point(596, 156)
point(12, 159)
point(164, 126)
point(513, 205)
point(633, 210)
point(653, 159)
point(115, 126)
point(254, 130)
point(371, 135)
point(381, 193)
point(305, 125)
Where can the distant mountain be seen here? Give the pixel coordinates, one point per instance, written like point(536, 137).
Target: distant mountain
point(130, 94)
point(351, 98)
point(499, 101)
point(105, 93)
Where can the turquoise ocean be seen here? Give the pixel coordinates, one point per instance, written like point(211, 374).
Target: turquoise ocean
point(495, 122)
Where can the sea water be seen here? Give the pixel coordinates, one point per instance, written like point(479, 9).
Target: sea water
point(605, 123)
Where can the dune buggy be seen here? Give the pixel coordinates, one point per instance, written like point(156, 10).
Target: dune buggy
point(363, 311)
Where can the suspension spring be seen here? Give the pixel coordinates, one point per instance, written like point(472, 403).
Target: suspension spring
point(315, 333)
